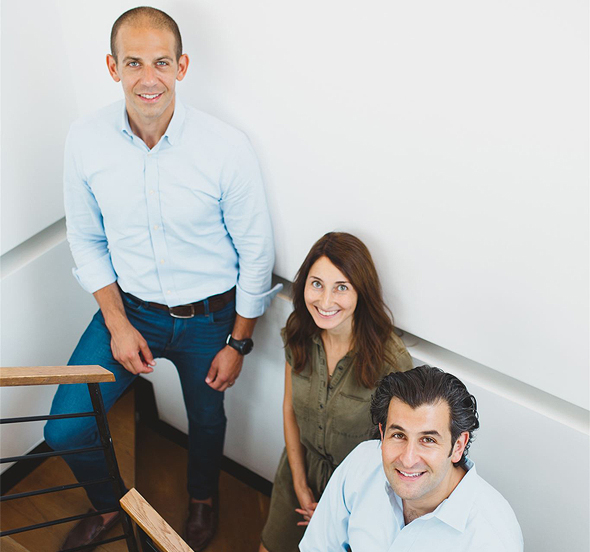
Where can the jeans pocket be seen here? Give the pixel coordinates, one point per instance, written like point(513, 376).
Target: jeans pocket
point(226, 315)
point(131, 303)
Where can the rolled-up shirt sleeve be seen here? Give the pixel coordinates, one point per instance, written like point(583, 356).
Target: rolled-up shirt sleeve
point(247, 220)
point(85, 230)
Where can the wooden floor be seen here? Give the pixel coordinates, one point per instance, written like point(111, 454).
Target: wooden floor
point(157, 468)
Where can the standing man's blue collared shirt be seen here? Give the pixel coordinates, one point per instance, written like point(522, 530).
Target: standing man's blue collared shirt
point(175, 224)
point(359, 510)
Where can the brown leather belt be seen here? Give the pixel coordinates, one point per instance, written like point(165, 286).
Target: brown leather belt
point(216, 303)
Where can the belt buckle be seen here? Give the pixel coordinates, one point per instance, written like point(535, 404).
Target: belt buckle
point(174, 315)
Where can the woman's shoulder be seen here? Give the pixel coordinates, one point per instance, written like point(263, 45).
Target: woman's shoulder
point(289, 352)
point(397, 357)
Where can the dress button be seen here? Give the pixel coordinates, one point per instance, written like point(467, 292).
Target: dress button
point(320, 427)
point(321, 406)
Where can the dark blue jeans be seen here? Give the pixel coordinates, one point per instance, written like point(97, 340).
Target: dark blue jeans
point(191, 344)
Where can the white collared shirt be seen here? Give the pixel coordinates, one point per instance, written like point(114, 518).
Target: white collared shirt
point(175, 224)
point(360, 511)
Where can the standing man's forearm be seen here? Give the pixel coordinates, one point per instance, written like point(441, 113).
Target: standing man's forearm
point(243, 327)
point(128, 345)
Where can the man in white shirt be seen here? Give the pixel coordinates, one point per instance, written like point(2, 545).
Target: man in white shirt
point(169, 228)
point(415, 490)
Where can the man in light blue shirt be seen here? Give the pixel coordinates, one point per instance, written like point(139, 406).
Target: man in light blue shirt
point(169, 228)
point(414, 490)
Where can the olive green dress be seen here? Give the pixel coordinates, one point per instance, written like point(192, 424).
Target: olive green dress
point(333, 418)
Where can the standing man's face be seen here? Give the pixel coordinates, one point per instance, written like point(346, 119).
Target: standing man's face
point(418, 453)
point(147, 68)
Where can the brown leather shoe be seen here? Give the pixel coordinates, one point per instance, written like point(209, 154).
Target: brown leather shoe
point(88, 530)
point(201, 525)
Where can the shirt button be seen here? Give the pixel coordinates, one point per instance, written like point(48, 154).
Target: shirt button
point(320, 427)
point(168, 292)
point(156, 227)
point(321, 406)
point(161, 261)
point(151, 192)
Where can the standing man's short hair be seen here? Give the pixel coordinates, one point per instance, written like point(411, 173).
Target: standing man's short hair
point(428, 385)
point(155, 18)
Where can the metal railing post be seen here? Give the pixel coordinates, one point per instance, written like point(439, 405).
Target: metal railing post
point(111, 460)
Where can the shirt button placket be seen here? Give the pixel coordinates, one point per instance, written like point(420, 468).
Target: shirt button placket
point(155, 221)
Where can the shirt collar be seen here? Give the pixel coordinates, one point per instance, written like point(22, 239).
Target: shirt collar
point(455, 510)
point(124, 120)
point(173, 130)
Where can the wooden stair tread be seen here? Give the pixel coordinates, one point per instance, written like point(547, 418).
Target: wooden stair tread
point(10, 545)
point(47, 375)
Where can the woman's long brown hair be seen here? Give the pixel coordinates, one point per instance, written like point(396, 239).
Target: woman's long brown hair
point(372, 321)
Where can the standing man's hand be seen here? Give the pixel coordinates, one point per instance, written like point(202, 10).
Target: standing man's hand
point(131, 350)
point(227, 364)
point(225, 369)
point(127, 344)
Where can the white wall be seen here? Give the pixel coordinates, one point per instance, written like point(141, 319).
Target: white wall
point(451, 136)
point(43, 314)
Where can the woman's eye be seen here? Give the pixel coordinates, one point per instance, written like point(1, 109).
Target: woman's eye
point(316, 284)
point(342, 287)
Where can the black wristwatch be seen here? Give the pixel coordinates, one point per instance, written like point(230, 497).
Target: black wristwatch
point(243, 346)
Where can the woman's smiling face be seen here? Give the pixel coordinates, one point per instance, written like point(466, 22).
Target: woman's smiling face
point(329, 297)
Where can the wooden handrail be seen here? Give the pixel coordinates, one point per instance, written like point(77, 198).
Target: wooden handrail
point(163, 536)
point(47, 375)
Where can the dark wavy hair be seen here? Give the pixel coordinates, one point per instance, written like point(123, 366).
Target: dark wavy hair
point(428, 385)
point(154, 17)
point(372, 321)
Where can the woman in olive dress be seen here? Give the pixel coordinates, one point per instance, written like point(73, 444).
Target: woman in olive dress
point(339, 341)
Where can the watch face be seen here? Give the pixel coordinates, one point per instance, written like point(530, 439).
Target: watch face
point(246, 346)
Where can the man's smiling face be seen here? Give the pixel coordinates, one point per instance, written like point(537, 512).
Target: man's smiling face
point(418, 453)
point(147, 67)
